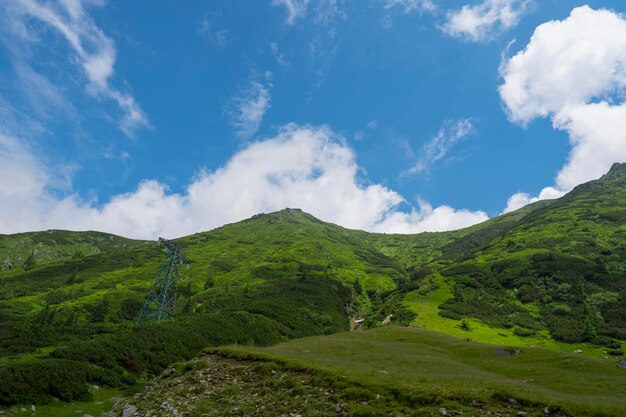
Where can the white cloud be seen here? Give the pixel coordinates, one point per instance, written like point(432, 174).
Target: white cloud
point(409, 6)
point(250, 105)
point(296, 9)
point(480, 22)
point(324, 12)
point(436, 149)
point(306, 167)
point(573, 71)
point(426, 218)
point(278, 55)
point(95, 52)
point(209, 30)
point(519, 200)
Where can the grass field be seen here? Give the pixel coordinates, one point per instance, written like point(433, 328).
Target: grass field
point(441, 368)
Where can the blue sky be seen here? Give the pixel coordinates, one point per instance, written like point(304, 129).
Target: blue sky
point(150, 118)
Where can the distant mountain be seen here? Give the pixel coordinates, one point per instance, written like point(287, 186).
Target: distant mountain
point(68, 300)
point(29, 249)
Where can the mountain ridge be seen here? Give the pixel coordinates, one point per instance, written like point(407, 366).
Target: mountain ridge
point(548, 273)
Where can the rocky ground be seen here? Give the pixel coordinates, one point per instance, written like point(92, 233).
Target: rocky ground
point(213, 385)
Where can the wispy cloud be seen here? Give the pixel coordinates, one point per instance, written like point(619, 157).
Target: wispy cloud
point(296, 9)
point(211, 31)
point(278, 55)
point(436, 149)
point(94, 52)
point(250, 104)
point(409, 6)
point(323, 17)
point(480, 22)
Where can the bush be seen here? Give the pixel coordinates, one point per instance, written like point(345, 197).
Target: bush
point(38, 382)
point(521, 332)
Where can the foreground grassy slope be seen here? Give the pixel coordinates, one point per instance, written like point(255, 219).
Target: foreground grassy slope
point(434, 369)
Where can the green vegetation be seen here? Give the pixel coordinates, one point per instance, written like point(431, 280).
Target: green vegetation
point(26, 250)
point(551, 274)
point(261, 281)
point(560, 267)
point(432, 369)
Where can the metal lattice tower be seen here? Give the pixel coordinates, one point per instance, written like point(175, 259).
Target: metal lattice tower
point(160, 302)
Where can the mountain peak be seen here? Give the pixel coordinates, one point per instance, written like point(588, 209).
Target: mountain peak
point(617, 169)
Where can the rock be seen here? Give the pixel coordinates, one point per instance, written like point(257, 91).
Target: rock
point(167, 372)
point(477, 404)
point(338, 408)
point(387, 320)
point(129, 410)
point(33, 408)
point(578, 351)
point(521, 413)
point(546, 410)
point(512, 400)
point(443, 411)
point(621, 363)
point(87, 415)
point(503, 352)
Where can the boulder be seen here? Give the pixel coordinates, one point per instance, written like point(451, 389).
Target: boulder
point(503, 352)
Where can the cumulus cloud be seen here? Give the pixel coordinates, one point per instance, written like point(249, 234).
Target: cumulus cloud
point(426, 218)
point(436, 149)
point(480, 22)
point(573, 71)
point(519, 200)
point(95, 52)
point(307, 167)
point(250, 104)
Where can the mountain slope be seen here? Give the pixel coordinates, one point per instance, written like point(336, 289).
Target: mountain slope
point(273, 277)
point(551, 269)
point(29, 249)
point(560, 266)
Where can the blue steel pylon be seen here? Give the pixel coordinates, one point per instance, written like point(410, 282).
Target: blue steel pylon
point(160, 302)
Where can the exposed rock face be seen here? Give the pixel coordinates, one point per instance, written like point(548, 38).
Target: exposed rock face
point(503, 352)
point(213, 385)
point(129, 411)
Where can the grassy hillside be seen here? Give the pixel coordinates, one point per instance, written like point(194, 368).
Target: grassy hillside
point(387, 371)
point(26, 250)
point(561, 267)
point(549, 273)
point(267, 279)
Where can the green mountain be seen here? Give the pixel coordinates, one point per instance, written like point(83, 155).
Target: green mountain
point(550, 273)
point(25, 250)
point(561, 266)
